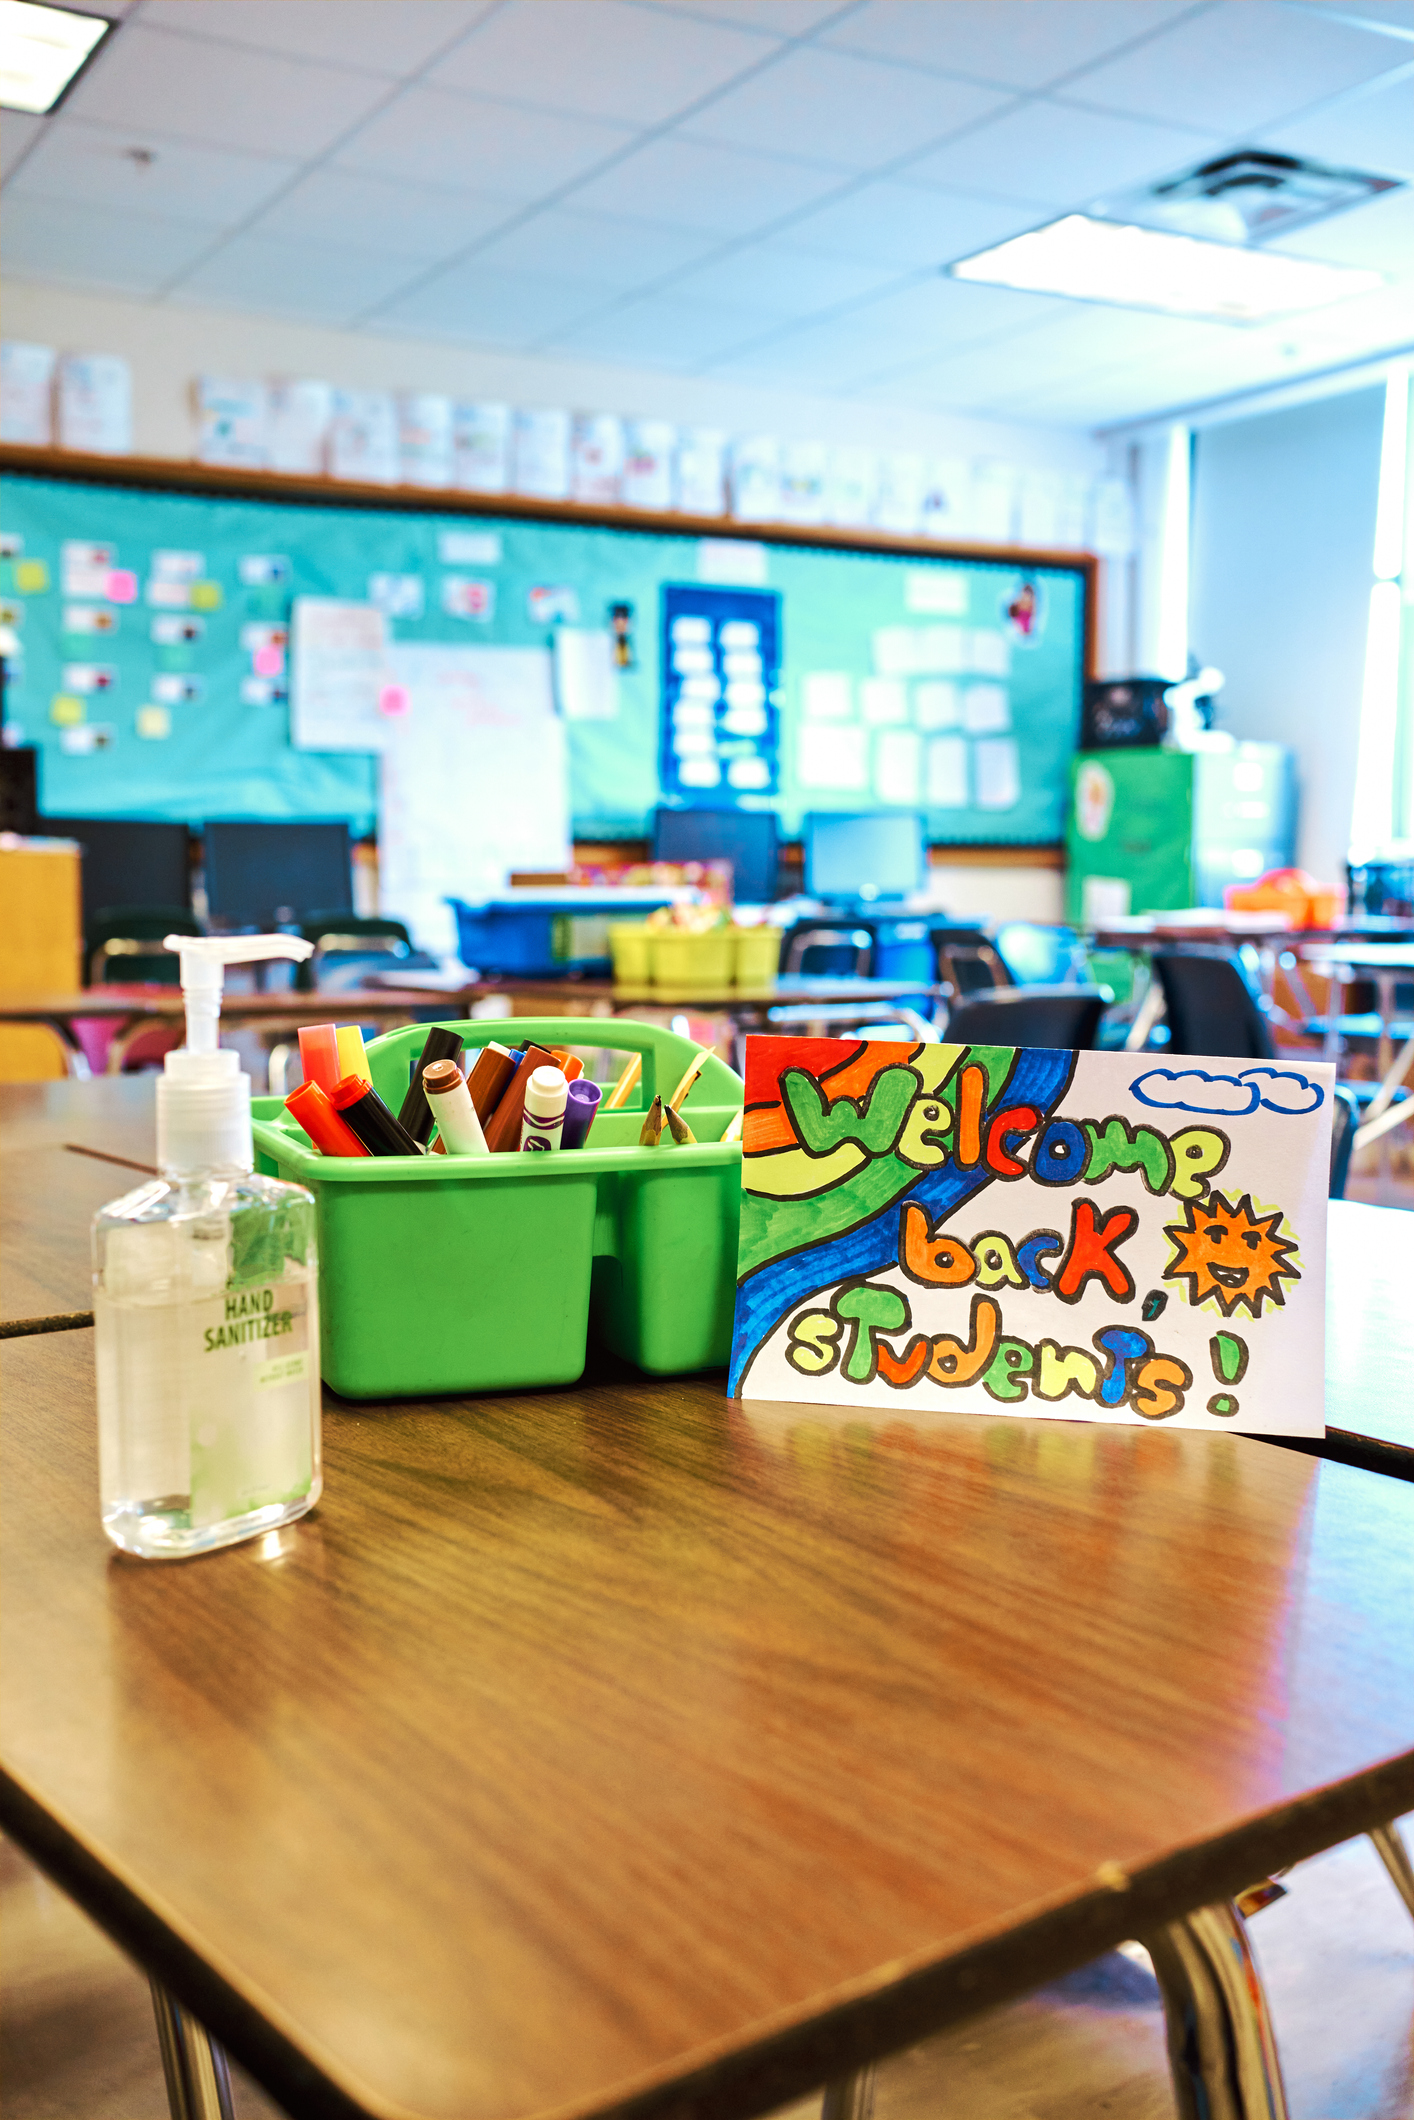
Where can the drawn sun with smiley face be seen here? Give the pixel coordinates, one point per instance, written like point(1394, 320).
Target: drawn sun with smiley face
point(1228, 1252)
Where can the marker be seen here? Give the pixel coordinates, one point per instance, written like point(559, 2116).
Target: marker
point(569, 1064)
point(415, 1115)
point(319, 1055)
point(503, 1132)
point(651, 1132)
point(487, 1078)
point(352, 1058)
point(452, 1110)
point(544, 1116)
point(581, 1103)
point(699, 1061)
point(369, 1117)
point(623, 1089)
point(678, 1127)
point(331, 1134)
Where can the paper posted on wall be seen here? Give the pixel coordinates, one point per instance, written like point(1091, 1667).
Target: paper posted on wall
point(340, 668)
point(1071, 1236)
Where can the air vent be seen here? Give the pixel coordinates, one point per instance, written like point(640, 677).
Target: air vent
point(1248, 196)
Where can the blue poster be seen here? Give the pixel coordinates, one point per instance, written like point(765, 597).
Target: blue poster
point(721, 706)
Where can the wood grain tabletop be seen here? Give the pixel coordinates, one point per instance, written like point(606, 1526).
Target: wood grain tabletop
point(50, 1198)
point(115, 1115)
point(622, 1750)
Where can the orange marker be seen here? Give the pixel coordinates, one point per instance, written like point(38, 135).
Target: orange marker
point(319, 1055)
point(329, 1132)
point(569, 1064)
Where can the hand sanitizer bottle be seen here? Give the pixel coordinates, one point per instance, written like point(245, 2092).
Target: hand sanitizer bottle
point(206, 1307)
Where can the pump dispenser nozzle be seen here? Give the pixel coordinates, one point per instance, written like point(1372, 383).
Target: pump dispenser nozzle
point(203, 1099)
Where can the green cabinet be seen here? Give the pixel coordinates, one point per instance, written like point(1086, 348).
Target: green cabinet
point(1154, 831)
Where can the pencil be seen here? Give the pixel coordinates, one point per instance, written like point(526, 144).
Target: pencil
point(678, 1127)
point(733, 1132)
point(699, 1061)
point(651, 1132)
point(623, 1089)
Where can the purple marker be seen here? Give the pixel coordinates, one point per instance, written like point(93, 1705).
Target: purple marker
point(582, 1101)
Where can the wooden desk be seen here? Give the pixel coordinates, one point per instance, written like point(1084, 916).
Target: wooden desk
point(114, 1115)
point(135, 1008)
point(622, 1751)
point(49, 1200)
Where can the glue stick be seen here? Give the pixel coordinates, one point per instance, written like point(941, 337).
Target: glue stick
point(544, 1114)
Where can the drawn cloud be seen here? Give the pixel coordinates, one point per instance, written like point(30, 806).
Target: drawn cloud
point(1282, 1090)
point(1190, 1089)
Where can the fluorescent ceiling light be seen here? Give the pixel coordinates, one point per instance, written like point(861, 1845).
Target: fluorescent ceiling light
point(41, 51)
point(1147, 268)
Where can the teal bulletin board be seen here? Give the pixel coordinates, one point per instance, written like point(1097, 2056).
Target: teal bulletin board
point(909, 678)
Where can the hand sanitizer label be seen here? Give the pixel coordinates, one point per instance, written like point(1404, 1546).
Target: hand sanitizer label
point(254, 1383)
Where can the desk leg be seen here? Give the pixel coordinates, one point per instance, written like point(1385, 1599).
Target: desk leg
point(1389, 1846)
point(849, 2097)
point(1222, 2050)
point(198, 2087)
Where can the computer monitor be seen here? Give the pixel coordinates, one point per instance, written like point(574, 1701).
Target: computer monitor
point(745, 838)
point(128, 862)
point(880, 855)
point(260, 873)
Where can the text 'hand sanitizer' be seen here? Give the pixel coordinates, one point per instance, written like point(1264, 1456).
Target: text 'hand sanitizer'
point(206, 1307)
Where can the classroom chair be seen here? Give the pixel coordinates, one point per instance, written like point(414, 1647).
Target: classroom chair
point(346, 945)
point(1057, 1016)
point(843, 951)
point(1211, 1005)
point(968, 960)
point(1345, 1117)
point(117, 939)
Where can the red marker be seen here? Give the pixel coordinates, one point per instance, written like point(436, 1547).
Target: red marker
point(329, 1133)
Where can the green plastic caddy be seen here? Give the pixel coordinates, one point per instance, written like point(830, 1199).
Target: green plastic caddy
point(486, 1273)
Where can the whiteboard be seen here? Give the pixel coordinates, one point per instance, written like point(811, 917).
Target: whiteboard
point(475, 781)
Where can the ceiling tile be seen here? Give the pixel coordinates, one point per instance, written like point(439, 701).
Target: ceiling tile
point(613, 255)
point(44, 239)
point(659, 331)
point(490, 308)
point(639, 65)
point(906, 224)
point(692, 184)
point(415, 221)
point(1397, 15)
point(432, 136)
point(325, 283)
point(879, 337)
point(1019, 43)
point(1378, 235)
point(1371, 130)
point(92, 165)
point(367, 34)
point(218, 95)
point(1054, 155)
point(1237, 66)
point(18, 134)
point(774, 280)
point(775, 18)
point(834, 107)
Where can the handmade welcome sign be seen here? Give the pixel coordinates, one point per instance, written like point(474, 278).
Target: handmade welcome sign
point(1080, 1236)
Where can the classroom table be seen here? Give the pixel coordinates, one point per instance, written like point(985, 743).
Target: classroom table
point(830, 1003)
point(1389, 965)
point(624, 1750)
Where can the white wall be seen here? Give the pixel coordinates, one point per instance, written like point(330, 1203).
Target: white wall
point(1283, 537)
point(169, 346)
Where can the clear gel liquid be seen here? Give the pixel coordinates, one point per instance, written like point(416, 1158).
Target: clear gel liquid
point(207, 1331)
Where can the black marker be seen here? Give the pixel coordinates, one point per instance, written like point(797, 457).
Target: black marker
point(367, 1116)
point(416, 1115)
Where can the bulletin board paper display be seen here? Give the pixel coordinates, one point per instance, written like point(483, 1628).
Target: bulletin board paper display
point(1072, 1236)
point(946, 685)
point(479, 719)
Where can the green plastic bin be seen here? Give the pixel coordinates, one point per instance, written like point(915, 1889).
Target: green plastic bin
point(487, 1273)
